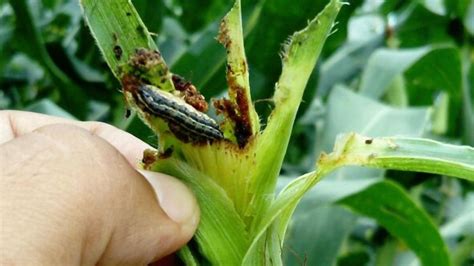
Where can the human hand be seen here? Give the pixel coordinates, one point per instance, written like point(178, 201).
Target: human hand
point(70, 195)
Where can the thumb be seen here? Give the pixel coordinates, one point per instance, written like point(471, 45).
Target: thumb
point(175, 199)
point(146, 234)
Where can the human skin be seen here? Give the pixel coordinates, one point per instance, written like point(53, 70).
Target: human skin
point(70, 194)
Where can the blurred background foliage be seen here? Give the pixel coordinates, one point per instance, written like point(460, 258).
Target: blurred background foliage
point(390, 68)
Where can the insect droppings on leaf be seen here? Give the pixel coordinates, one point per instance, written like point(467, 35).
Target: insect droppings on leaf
point(149, 157)
point(118, 52)
point(190, 94)
point(117, 49)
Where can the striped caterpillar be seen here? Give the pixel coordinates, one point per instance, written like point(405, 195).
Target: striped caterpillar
point(183, 120)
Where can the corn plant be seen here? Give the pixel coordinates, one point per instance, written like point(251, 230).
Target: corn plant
point(231, 160)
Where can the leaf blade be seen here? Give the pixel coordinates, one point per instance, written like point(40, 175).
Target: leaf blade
point(392, 207)
point(302, 54)
point(232, 37)
point(221, 233)
point(402, 153)
point(118, 30)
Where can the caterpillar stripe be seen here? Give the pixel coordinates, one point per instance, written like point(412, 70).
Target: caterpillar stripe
point(190, 122)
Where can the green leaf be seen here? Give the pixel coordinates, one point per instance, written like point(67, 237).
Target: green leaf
point(345, 62)
point(152, 13)
point(6, 32)
point(348, 111)
point(187, 257)
point(231, 36)
point(392, 207)
point(457, 8)
point(419, 27)
point(463, 253)
point(264, 44)
point(394, 153)
point(439, 64)
point(31, 42)
point(467, 96)
point(439, 71)
point(315, 236)
point(384, 65)
point(461, 223)
point(343, 27)
point(396, 94)
point(436, 7)
point(221, 234)
point(386, 253)
point(402, 153)
point(48, 107)
point(469, 18)
point(440, 117)
point(118, 30)
point(202, 60)
point(330, 190)
point(282, 208)
point(212, 11)
point(365, 115)
point(298, 61)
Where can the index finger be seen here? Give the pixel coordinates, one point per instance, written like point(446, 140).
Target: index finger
point(14, 124)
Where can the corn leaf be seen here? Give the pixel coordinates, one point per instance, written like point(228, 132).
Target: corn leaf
point(232, 37)
point(31, 41)
point(221, 235)
point(401, 153)
point(392, 207)
point(409, 154)
point(299, 58)
point(116, 23)
point(119, 32)
point(316, 235)
point(386, 64)
point(467, 94)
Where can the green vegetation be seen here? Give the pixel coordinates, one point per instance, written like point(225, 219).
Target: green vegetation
point(398, 73)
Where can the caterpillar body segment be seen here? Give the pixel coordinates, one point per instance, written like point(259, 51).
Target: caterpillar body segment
point(183, 119)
